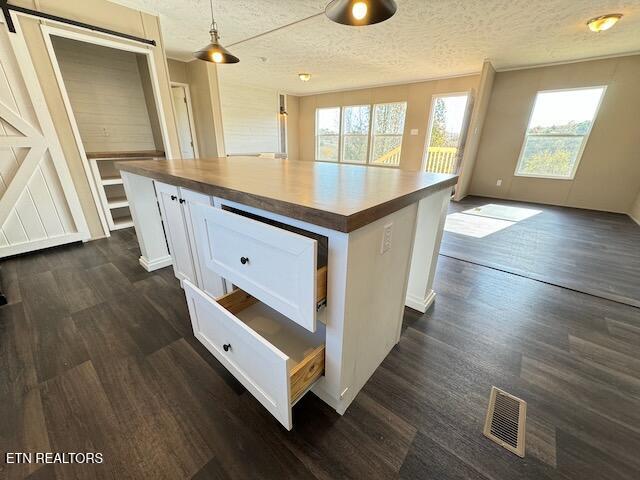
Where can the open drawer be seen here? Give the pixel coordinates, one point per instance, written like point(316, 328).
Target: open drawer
point(268, 260)
point(275, 359)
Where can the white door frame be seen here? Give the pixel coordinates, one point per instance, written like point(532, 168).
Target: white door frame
point(192, 125)
point(48, 140)
point(111, 42)
point(425, 152)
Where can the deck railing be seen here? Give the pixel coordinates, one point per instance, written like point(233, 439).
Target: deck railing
point(439, 159)
point(442, 159)
point(392, 157)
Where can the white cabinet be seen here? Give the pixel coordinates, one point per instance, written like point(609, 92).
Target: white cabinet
point(176, 206)
point(275, 359)
point(176, 230)
point(207, 280)
point(273, 264)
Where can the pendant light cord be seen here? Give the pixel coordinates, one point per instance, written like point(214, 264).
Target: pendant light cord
point(276, 29)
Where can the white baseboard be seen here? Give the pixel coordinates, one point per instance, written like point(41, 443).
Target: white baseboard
point(156, 263)
point(634, 218)
point(420, 304)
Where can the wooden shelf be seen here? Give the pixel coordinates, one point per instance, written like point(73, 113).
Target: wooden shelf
point(122, 222)
point(111, 180)
point(117, 202)
point(125, 155)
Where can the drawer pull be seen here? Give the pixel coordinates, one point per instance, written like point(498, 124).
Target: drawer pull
point(173, 197)
point(226, 347)
point(244, 260)
point(182, 200)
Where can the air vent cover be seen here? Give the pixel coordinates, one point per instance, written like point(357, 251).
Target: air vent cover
point(505, 422)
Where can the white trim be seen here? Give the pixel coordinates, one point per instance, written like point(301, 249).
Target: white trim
point(370, 134)
point(420, 304)
point(156, 263)
point(634, 218)
point(119, 44)
point(568, 62)
point(585, 137)
point(425, 149)
point(388, 84)
point(192, 125)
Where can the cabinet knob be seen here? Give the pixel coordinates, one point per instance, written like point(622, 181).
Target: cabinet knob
point(182, 200)
point(226, 347)
point(244, 260)
point(173, 197)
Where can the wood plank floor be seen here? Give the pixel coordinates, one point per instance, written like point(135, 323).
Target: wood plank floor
point(98, 355)
point(585, 250)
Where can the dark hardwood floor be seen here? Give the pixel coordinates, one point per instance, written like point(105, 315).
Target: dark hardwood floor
point(97, 355)
point(585, 250)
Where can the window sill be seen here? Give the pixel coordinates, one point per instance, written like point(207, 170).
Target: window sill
point(544, 177)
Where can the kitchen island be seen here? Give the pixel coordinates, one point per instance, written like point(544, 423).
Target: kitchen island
point(296, 273)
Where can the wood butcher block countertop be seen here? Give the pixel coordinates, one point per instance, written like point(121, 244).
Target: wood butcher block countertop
point(336, 196)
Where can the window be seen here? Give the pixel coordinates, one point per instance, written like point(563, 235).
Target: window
point(327, 134)
point(388, 125)
point(355, 135)
point(361, 134)
point(558, 131)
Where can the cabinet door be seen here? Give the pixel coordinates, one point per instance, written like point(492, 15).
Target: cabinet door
point(207, 280)
point(176, 230)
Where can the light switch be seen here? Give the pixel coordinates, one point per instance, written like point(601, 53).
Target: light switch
point(414, 131)
point(499, 183)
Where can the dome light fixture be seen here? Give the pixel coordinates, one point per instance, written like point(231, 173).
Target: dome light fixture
point(305, 77)
point(214, 52)
point(358, 13)
point(604, 22)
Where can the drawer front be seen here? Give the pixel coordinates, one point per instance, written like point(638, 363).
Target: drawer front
point(207, 279)
point(258, 365)
point(176, 230)
point(274, 265)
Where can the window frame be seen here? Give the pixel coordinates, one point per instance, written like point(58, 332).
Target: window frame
point(585, 137)
point(343, 135)
point(373, 135)
point(370, 135)
point(339, 134)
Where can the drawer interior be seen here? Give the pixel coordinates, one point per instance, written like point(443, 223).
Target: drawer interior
point(304, 348)
point(322, 241)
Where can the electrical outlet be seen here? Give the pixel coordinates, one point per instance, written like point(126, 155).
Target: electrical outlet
point(386, 238)
point(499, 183)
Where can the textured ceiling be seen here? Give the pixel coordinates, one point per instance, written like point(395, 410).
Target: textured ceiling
point(425, 39)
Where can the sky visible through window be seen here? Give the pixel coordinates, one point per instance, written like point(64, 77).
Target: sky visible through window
point(559, 108)
point(455, 108)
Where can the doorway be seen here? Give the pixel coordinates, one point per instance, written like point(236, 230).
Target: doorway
point(448, 123)
point(184, 120)
point(111, 94)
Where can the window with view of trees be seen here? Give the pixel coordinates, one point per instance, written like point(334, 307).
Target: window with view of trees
point(327, 134)
point(361, 133)
point(355, 136)
point(557, 133)
point(386, 135)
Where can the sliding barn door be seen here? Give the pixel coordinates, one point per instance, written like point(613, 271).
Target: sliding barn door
point(39, 206)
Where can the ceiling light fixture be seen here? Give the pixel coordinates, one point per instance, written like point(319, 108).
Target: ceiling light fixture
point(358, 13)
point(305, 77)
point(604, 22)
point(214, 52)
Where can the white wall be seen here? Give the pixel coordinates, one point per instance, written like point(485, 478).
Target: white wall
point(249, 118)
point(106, 94)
